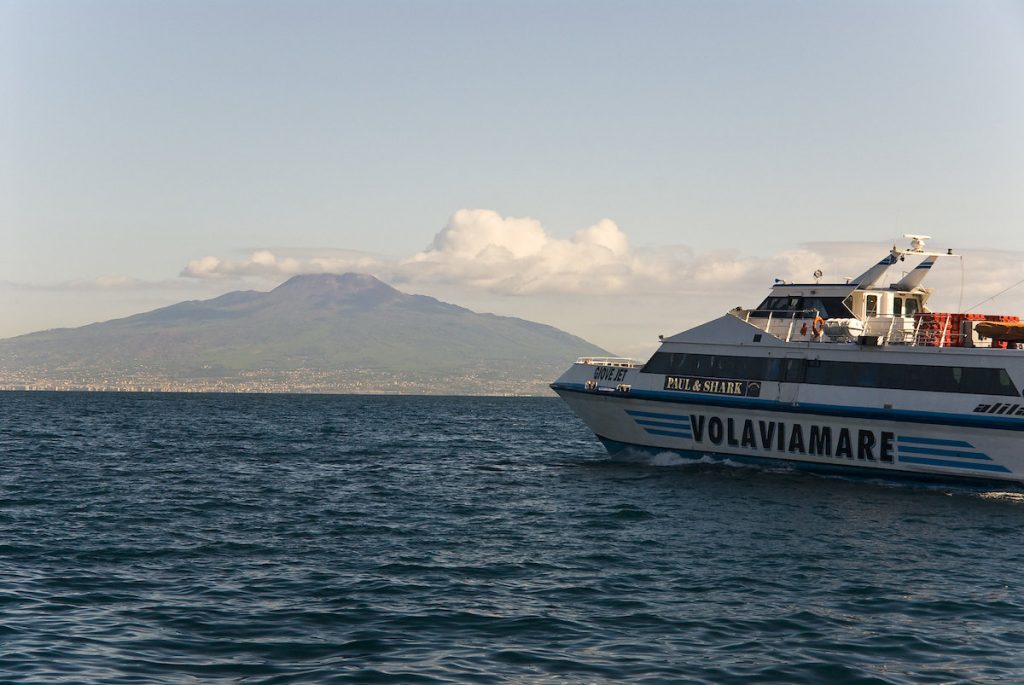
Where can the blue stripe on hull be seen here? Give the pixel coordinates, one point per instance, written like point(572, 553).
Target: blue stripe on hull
point(656, 415)
point(954, 464)
point(615, 447)
point(674, 434)
point(664, 424)
point(934, 441)
point(958, 454)
point(842, 411)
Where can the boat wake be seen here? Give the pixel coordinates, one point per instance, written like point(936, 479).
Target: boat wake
point(648, 458)
point(667, 458)
point(673, 459)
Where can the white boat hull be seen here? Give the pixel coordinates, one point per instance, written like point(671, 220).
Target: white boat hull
point(909, 447)
point(850, 377)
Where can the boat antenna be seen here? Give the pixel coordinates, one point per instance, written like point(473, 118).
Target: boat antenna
point(1004, 290)
point(960, 305)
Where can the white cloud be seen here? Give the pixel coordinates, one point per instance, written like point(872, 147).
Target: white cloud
point(481, 248)
point(510, 256)
point(272, 265)
point(206, 267)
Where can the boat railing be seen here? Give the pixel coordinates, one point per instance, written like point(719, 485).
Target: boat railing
point(796, 326)
point(933, 332)
point(785, 324)
point(624, 362)
point(946, 330)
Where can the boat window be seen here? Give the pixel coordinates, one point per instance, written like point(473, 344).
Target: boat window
point(870, 375)
point(660, 362)
point(794, 371)
point(782, 304)
point(828, 307)
point(897, 306)
point(923, 378)
point(912, 307)
point(814, 373)
point(712, 366)
point(956, 379)
point(871, 305)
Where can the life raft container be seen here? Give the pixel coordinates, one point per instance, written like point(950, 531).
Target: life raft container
point(1004, 332)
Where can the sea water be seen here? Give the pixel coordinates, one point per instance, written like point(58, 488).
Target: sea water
point(161, 538)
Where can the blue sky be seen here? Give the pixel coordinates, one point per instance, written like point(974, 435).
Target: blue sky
point(141, 136)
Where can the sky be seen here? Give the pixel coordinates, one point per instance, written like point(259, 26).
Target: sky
point(615, 169)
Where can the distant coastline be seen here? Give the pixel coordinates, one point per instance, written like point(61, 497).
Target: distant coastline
point(302, 381)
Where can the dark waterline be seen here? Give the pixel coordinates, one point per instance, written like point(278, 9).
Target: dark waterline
point(278, 539)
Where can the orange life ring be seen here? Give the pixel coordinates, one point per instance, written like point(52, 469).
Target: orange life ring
point(818, 326)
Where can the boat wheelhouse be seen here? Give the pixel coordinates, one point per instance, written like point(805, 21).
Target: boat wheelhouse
point(851, 377)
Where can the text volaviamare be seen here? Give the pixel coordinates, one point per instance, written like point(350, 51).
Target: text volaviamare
point(814, 440)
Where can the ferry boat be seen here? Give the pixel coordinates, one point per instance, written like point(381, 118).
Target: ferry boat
point(849, 378)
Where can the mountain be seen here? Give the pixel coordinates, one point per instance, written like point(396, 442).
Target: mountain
point(347, 333)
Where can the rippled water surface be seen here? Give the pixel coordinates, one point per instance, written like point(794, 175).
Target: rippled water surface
point(280, 539)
